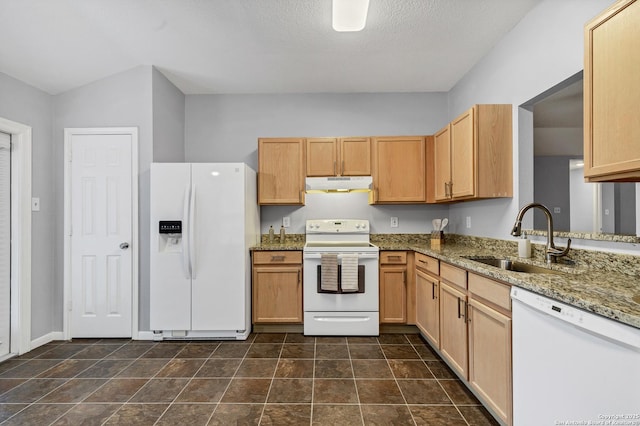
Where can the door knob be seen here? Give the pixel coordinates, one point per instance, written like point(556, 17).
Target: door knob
point(124, 246)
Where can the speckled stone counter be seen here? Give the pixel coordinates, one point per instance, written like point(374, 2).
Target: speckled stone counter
point(599, 282)
point(291, 242)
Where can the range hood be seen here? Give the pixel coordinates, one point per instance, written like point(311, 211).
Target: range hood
point(339, 184)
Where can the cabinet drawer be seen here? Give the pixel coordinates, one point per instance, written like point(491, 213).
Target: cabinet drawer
point(393, 257)
point(427, 263)
point(490, 290)
point(454, 275)
point(277, 257)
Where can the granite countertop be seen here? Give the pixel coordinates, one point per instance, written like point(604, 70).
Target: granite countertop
point(602, 283)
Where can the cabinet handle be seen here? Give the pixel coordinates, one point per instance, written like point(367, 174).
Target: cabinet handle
point(404, 277)
point(446, 189)
point(342, 168)
point(450, 189)
point(277, 258)
point(433, 291)
point(298, 277)
point(334, 168)
point(460, 313)
point(394, 257)
point(466, 311)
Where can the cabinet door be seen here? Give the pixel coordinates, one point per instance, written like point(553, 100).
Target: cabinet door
point(393, 294)
point(453, 327)
point(277, 294)
point(355, 157)
point(611, 93)
point(399, 172)
point(442, 164)
point(322, 157)
point(428, 307)
point(490, 357)
point(281, 171)
point(463, 151)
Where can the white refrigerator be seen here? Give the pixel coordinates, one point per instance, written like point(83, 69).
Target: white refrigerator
point(204, 219)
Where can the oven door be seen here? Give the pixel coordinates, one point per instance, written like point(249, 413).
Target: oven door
point(365, 300)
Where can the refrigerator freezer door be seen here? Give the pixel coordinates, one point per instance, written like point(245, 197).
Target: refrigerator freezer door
point(170, 288)
point(219, 285)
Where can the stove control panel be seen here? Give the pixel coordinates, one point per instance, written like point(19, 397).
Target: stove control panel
point(333, 226)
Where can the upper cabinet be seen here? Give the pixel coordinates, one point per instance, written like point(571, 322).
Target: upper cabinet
point(338, 157)
point(611, 94)
point(472, 155)
point(281, 171)
point(399, 169)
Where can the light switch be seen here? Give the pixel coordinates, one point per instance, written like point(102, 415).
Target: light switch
point(35, 204)
point(286, 221)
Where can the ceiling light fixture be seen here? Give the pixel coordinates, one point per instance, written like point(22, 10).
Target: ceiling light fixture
point(350, 15)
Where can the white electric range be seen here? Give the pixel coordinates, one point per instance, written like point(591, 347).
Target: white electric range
point(340, 312)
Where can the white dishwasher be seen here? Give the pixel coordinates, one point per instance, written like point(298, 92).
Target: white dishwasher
point(571, 366)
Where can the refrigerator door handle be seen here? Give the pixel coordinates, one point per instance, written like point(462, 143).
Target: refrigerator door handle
point(186, 265)
point(192, 243)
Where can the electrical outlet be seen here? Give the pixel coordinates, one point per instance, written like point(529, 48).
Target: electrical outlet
point(556, 210)
point(286, 221)
point(468, 221)
point(35, 204)
point(394, 222)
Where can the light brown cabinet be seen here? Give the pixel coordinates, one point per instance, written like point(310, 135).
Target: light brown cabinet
point(399, 170)
point(393, 287)
point(277, 287)
point(281, 176)
point(453, 318)
point(338, 157)
point(473, 155)
point(611, 93)
point(427, 280)
point(489, 319)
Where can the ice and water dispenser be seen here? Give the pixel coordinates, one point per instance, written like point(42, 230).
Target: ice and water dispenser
point(170, 240)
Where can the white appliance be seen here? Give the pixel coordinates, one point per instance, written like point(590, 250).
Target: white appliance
point(571, 366)
point(340, 313)
point(204, 219)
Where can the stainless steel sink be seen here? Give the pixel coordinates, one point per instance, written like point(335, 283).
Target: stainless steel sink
point(513, 265)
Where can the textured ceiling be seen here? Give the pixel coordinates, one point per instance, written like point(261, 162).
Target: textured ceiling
point(252, 46)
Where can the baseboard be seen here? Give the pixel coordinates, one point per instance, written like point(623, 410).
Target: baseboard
point(47, 338)
point(144, 335)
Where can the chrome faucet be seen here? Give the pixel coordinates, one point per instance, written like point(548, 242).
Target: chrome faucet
point(552, 252)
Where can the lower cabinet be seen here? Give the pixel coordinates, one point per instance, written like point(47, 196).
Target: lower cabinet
point(277, 287)
point(453, 327)
point(393, 287)
point(489, 320)
point(467, 318)
point(428, 297)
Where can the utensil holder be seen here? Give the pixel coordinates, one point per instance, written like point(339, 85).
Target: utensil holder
point(437, 239)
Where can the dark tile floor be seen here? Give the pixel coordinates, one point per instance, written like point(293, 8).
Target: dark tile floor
point(270, 379)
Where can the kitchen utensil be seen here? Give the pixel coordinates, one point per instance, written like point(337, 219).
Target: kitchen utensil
point(444, 223)
point(436, 224)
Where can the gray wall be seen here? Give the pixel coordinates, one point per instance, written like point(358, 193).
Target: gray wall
point(551, 188)
point(626, 205)
point(545, 48)
point(168, 120)
point(227, 127)
point(122, 100)
point(27, 105)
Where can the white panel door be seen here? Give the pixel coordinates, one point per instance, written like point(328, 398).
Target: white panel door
point(219, 260)
point(5, 244)
point(101, 260)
